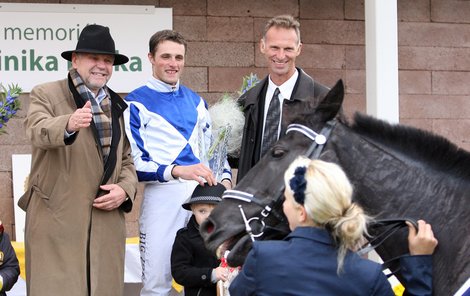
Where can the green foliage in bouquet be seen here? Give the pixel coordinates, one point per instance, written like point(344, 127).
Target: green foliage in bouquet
point(248, 82)
point(9, 104)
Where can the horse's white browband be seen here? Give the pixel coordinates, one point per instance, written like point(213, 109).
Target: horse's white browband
point(318, 138)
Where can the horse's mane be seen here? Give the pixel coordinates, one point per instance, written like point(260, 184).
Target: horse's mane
point(435, 150)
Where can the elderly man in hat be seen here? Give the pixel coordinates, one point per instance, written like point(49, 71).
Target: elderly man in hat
point(82, 178)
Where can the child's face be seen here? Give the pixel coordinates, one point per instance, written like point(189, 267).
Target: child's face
point(201, 211)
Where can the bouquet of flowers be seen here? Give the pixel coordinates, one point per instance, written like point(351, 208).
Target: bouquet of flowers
point(248, 82)
point(9, 104)
point(222, 287)
point(227, 127)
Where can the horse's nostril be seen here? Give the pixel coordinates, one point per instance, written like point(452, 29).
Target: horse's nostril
point(208, 227)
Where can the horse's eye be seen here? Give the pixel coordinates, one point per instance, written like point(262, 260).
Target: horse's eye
point(278, 152)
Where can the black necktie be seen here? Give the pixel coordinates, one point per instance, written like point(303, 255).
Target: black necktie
point(272, 123)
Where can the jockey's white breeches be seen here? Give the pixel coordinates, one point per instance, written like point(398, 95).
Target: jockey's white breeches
point(161, 217)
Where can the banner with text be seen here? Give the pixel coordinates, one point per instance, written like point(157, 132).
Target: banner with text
point(32, 37)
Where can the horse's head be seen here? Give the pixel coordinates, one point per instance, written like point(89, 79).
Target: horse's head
point(396, 171)
point(253, 209)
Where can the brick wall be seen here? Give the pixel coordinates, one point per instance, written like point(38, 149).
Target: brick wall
point(434, 61)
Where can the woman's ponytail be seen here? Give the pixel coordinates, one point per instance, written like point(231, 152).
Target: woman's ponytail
point(349, 230)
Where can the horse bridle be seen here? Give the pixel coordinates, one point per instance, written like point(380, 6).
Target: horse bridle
point(318, 142)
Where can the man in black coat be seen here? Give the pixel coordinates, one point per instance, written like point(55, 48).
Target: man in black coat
point(290, 85)
point(9, 266)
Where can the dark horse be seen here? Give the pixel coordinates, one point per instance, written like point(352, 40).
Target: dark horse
point(396, 171)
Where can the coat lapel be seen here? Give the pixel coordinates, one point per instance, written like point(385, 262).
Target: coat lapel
point(253, 102)
point(117, 108)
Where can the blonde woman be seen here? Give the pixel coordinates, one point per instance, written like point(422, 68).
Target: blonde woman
point(316, 258)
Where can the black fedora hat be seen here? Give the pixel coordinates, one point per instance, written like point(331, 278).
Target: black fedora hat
point(96, 39)
point(205, 195)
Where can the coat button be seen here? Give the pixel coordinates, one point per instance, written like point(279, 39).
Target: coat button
point(204, 277)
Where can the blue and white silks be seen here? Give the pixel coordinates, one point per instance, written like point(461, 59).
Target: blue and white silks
point(181, 118)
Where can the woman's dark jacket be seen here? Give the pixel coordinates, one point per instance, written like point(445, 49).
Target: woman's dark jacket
point(306, 262)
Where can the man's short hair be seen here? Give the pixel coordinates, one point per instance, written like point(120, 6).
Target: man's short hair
point(285, 22)
point(165, 35)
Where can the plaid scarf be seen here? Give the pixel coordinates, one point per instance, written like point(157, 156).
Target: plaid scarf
point(101, 112)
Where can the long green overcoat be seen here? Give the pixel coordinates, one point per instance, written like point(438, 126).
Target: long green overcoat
point(73, 248)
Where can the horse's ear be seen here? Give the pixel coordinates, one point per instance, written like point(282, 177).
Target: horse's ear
point(330, 106)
